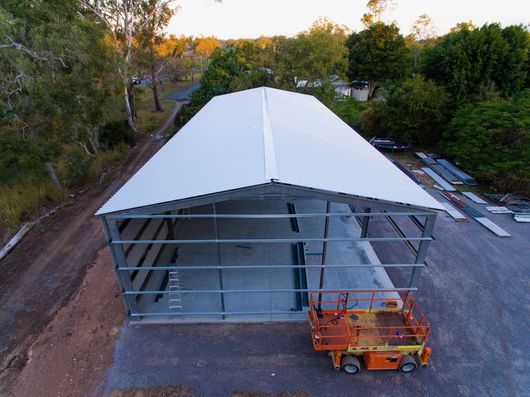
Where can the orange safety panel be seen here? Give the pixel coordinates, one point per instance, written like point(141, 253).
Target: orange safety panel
point(382, 360)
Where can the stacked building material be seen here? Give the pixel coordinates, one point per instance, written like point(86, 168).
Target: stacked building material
point(439, 180)
point(499, 210)
point(525, 218)
point(457, 172)
point(518, 204)
point(441, 170)
point(473, 197)
point(494, 228)
point(455, 214)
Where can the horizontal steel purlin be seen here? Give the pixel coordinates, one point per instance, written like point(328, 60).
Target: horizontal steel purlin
point(171, 314)
point(217, 267)
point(263, 216)
point(250, 291)
point(269, 240)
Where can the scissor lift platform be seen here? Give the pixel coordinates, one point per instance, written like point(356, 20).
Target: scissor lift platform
point(386, 328)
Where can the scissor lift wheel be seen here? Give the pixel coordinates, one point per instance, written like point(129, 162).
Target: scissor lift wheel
point(351, 365)
point(408, 364)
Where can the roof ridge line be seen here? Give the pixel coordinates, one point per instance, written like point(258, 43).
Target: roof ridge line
point(271, 166)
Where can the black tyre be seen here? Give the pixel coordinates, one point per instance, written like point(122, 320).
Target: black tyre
point(351, 365)
point(408, 364)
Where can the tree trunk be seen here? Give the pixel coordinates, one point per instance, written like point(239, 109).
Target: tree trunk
point(132, 102)
point(130, 117)
point(371, 89)
point(154, 85)
point(53, 176)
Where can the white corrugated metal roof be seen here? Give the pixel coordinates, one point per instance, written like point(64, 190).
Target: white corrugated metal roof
point(254, 136)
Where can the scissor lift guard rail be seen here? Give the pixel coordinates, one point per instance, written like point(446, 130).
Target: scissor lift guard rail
point(386, 328)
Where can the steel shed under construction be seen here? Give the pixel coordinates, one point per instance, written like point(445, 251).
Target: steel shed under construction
point(262, 197)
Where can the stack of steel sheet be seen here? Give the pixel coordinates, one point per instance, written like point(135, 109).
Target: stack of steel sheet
point(439, 180)
point(457, 172)
point(494, 228)
point(441, 171)
point(519, 205)
point(473, 197)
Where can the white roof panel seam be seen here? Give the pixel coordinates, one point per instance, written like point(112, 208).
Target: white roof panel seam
point(271, 167)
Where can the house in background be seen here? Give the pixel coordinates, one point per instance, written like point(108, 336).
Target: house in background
point(357, 90)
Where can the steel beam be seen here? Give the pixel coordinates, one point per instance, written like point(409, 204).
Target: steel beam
point(268, 240)
point(214, 267)
point(274, 190)
point(364, 226)
point(422, 250)
point(324, 252)
point(266, 216)
point(251, 291)
point(220, 270)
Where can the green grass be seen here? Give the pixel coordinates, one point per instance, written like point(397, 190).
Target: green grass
point(18, 203)
point(148, 119)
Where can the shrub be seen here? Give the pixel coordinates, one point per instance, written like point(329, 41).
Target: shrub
point(74, 166)
point(115, 133)
point(20, 157)
point(491, 139)
point(415, 111)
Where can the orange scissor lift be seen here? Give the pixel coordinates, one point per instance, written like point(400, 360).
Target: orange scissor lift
point(387, 329)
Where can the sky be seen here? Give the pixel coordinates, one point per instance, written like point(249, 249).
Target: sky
point(254, 18)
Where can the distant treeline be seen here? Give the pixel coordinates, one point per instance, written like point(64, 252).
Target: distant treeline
point(465, 94)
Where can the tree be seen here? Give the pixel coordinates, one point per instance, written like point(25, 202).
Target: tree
point(173, 47)
point(423, 33)
point(157, 14)
point(377, 53)
point(423, 28)
point(469, 25)
point(376, 9)
point(205, 46)
point(415, 110)
point(320, 52)
point(57, 83)
point(479, 64)
point(491, 139)
point(125, 20)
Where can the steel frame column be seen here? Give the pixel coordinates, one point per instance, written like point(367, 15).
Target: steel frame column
point(220, 270)
point(112, 232)
point(364, 227)
point(422, 250)
point(324, 254)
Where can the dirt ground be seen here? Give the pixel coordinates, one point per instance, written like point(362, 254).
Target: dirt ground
point(74, 351)
point(60, 307)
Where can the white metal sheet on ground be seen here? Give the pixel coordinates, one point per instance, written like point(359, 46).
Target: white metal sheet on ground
point(254, 136)
point(439, 180)
point(499, 210)
point(455, 214)
point(473, 197)
point(493, 227)
point(522, 218)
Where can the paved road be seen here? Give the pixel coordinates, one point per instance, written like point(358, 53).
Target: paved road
point(475, 293)
point(183, 94)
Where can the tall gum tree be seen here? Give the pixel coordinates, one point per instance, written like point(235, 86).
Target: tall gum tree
point(125, 20)
point(157, 14)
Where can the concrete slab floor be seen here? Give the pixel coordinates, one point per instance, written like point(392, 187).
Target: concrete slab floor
point(339, 253)
point(475, 294)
